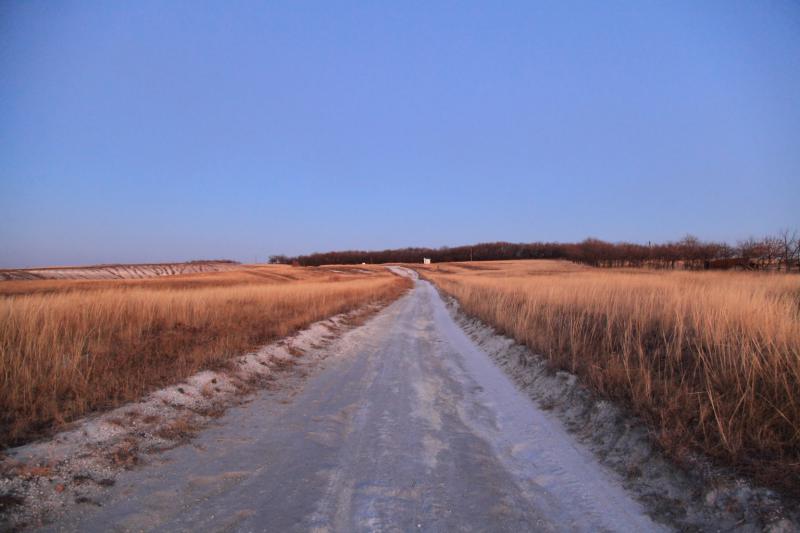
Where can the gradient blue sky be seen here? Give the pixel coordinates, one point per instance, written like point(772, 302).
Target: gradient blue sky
point(158, 131)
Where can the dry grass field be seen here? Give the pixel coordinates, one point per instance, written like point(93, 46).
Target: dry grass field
point(710, 360)
point(68, 347)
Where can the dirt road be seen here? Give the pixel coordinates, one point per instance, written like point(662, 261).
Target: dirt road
point(407, 427)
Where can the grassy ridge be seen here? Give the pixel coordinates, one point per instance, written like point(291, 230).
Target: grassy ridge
point(710, 360)
point(65, 352)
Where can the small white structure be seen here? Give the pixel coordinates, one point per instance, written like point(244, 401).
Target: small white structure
point(426, 260)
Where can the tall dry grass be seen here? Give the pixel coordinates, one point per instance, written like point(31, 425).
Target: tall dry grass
point(67, 352)
point(710, 360)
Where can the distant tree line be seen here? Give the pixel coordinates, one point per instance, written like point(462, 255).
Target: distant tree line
point(780, 251)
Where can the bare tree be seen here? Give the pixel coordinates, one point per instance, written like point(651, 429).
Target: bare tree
point(772, 247)
point(789, 247)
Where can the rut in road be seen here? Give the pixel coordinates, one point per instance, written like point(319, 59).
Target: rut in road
point(407, 427)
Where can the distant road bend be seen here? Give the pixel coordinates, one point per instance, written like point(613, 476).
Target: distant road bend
point(408, 427)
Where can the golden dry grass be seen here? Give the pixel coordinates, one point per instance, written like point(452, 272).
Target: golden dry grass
point(71, 347)
point(710, 360)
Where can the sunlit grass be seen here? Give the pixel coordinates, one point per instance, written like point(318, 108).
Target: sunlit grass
point(710, 360)
point(67, 348)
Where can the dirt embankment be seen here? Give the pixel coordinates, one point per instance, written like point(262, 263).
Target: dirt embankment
point(132, 271)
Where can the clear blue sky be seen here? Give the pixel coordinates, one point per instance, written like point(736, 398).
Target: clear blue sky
point(159, 131)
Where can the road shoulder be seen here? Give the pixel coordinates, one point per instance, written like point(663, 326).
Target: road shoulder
point(42, 480)
point(697, 497)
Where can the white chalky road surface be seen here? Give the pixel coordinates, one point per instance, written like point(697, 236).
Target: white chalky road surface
point(408, 426)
